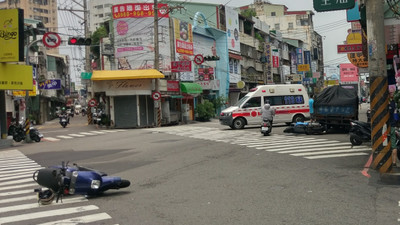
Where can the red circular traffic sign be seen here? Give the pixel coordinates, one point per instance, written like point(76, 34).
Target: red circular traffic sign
point(198, 59)
point(156, 96)
point(51, 40)
point(92, 102)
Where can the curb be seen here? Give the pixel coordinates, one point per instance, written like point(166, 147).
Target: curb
point(6, 143)
point(391, 178)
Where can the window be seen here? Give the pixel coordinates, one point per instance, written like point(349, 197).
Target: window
point(101, 15)
point(290, 26)
point(253, 102)
point(273, 13)
point(277, 26)
point(284, 100)
point(99, 6)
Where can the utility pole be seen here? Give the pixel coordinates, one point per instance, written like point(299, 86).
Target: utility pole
point(157, 103)
point(380, 135)
point(88, 67)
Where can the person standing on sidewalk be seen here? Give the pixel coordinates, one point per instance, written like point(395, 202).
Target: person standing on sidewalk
point(311, 105)
point(393, 124)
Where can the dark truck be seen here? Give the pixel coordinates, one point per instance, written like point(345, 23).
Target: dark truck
point(336, 106)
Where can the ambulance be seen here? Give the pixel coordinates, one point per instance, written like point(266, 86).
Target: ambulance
point(289, 100)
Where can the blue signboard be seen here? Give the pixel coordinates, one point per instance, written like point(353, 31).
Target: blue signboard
point(307, 57)
point(50, 84)
point(299, 53)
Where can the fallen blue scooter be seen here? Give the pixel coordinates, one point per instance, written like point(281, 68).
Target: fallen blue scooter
point(306, 128)
point(69, 180)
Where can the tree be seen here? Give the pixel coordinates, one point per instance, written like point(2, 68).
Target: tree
point(100, 33)
point(205, 111)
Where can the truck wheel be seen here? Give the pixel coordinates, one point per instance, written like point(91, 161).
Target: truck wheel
point(298, 118)
point(355, 140)
point(238, 123)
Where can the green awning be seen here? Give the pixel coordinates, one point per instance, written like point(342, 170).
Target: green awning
point(191, 88)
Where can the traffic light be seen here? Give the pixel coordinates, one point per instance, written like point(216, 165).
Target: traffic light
point(79, 41)
point(211, 58)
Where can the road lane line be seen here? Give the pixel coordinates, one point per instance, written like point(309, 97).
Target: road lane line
point(328, 152)
point(65, 137)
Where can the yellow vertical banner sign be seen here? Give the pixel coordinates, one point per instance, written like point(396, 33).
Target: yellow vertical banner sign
point(12, 35)
point(15, 77)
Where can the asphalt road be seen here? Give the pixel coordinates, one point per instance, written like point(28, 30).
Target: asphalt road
point(205, 173)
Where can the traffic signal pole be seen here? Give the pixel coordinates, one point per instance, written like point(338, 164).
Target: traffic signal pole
point(380, 135)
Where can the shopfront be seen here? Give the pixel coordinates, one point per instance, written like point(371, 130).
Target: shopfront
point(129, 96)
point(190, 92)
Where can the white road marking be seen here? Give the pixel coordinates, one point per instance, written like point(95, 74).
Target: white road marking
point(65, 137)
point(76, 135)
point(79, 220)
point(47, 213)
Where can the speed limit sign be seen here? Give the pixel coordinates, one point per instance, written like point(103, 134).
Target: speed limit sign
point(156, 96)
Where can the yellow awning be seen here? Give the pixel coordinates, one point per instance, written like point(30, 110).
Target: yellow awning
point(126, 74)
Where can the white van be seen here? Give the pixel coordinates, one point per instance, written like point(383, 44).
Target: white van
point(289, 100)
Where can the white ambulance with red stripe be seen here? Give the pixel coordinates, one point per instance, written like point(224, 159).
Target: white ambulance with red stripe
point(289, 100)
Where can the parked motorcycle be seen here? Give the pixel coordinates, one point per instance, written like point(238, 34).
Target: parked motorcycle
point(64, 120)
point(65, 180)
point(266, 127)
point(18, 132)
point(359, 132)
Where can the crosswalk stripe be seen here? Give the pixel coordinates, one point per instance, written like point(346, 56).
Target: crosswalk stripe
point(282, 144)
point(13, 187)
point(16, 174)
point(65, 137)
point(97, 132)
point(19, 167)
point(25, 163)
point(10, 153)
point(36, 205)
point(76, 135)
point(335, 155)
point(47, 213)
point(276, 148)
point(328, 152)
point(19, 170)
point(11, 158)
point(109, 131)
point(15, 177)
point(18, 199)
point(83, 219)
point(50, 139)
point(342, 144)
point(16, 181)
point(87, 133)
point(15, 193)
point(321, 149)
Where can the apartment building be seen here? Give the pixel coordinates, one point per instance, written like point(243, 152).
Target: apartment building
point(43, 10)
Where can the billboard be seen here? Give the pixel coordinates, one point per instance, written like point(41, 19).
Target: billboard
point(232, 29)
point(134, 36)
point(12, 35)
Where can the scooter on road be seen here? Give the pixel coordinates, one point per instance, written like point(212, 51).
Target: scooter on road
point(359, 132)
point(266, 127)
point(69, 180)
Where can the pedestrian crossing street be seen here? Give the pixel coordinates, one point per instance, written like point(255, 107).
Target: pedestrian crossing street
point(18, 202)
point(304, 146)
point(80, 134)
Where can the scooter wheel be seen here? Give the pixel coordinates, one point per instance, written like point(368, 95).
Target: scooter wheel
point(355, 140)
point(36, 139)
